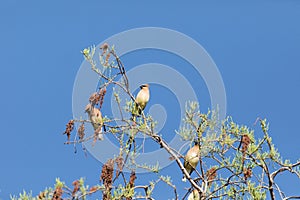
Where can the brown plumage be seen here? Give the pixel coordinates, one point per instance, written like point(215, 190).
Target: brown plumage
point(96, 120)
point(194, 195)
point(191, 160)
point(141, 101)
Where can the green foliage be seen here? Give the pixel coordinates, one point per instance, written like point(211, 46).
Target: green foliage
point(122, 192)
point(150, 168)
point(59, 183)
point(23, 196)
point(234, 161)
point(236, 153)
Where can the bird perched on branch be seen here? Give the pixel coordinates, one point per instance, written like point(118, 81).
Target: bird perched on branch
point(141, 101)
point(194, 195)
point(96, 120)
point(191, 159)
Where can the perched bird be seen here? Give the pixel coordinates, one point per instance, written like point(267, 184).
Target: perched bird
point(141, 101)
point(194, 195)
point(96, 119)
point(191, 159)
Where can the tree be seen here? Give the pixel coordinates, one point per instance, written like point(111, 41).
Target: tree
point(233, 161)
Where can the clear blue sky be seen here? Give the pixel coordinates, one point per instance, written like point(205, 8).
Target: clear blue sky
point(255, 44)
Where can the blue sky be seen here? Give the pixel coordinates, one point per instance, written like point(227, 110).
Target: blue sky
point(255, 45)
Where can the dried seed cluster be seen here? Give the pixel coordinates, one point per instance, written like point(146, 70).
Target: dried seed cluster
point(132, 179)
point(107, 173)
point(247, 173)
point(94, 98)
point(76, 185)
point(57, 195)
point(69, 128)
point(42, 195)
point(107, 178)
point(81, 130)
point(104, 47)
point(120, 161)
point(245, 143)
point(102, 93)
point(98, 98)
point(93, 189)
point(211, 174)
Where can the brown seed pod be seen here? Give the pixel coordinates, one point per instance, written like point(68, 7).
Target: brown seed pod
point(94, 98)
point(104, 47)
point(76, 187)
point(93, 189)
point(80, 131)
point(132, 179)
point(245, 143)
point(69, 129)
point(211, 174)
point(101, 96)
point(57, 195)
point(247, 173)
point(120, 162)
point(107, 174)
point(42, 195)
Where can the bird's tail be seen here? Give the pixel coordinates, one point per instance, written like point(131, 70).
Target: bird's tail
point(98, 133)
point(136, 110)
point(133, 118)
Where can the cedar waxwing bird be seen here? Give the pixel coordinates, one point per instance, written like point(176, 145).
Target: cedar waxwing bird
point(191, 159)
point(96, 120)
point(194, 195)
point(141, 101)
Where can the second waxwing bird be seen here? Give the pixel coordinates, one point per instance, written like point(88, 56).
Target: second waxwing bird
point(141, 101)
point(191, 160)
point(96, 120)
point(194, 195)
